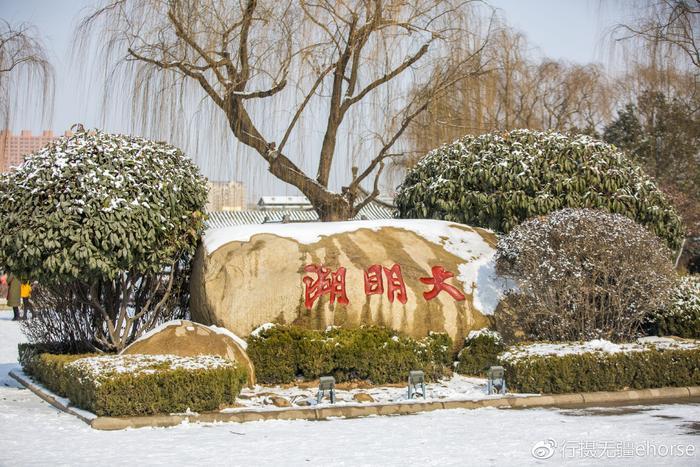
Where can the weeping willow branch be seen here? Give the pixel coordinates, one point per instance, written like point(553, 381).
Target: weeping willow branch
point(331, 63)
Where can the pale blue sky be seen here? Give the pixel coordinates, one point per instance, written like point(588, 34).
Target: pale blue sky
point(569, 30)
point(561, 29)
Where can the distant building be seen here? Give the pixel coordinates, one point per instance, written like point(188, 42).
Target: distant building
point(13, 148)
point(225, 196)
point(278, 203)
point(289, 209)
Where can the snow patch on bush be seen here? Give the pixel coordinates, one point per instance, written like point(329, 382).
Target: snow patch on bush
point(494, 335)
point(103, 367)
point(592, 346)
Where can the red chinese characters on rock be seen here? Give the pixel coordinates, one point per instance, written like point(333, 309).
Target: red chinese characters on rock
point(395, 286)
point(326, 282)
point(438, 283)
point(332, 283)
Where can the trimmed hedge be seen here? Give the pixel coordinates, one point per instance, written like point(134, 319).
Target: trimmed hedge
point(480, 352)
point(163, 390)
point(283, 353)
point(596, 371)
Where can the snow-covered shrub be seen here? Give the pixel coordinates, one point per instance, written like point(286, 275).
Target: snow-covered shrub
point(581, 274)
point(104, 223)
point(129, 385)
point(681, 316)
point(497, 180)
point(282, 353)
point(600, 366)
point(481, 349)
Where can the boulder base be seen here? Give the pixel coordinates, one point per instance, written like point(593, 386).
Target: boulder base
point(346, 274)
point(188, 339)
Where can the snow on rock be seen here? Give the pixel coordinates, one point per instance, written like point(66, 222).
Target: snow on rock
point(477, 274)
point(177, 322)
point(157, 329)
point(240, 341)
point(262, 328)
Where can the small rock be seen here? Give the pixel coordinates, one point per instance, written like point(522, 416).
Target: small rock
point(280, 401)
point(303, 403)
point(363, 397)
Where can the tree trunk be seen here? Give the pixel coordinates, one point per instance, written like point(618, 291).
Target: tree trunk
point(333, 208)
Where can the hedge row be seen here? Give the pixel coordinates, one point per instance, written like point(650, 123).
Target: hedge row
point(160, 390)
point(596, 371)
point(283, 353)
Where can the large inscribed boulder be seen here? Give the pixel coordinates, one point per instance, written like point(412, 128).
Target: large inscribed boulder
point(188, 339)
point(415, 276)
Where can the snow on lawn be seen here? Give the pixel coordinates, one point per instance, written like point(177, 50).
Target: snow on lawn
point(34, 433)
point(456, 388)
point(460, 240)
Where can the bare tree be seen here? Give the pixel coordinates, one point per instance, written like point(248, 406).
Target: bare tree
point(674, 24)
point(516, 90)
point(338, 52)
point(23, 63)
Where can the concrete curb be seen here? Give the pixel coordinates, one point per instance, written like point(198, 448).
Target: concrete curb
point(366, 410)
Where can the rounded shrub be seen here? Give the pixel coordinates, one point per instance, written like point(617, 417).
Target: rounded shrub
point(480, 352)
point(103, 222)
point(681, 315)
point(497, 180)
point(581, 274)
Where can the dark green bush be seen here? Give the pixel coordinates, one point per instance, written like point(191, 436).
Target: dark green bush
point(595, 371)
point(380, 355)
point(126, 394)
point(103, 222)
point(479, 353)
point(497, 180)
point(49, 369)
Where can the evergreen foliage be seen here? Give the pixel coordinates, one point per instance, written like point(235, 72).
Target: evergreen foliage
point(599, 371)
point(96, 204)
point(480, 352)
point(282, 353)
point(105, 223)
point(150, 387)
point(497, 180)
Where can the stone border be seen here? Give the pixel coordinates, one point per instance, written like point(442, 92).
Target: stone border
point(366, 410)
point(48, 396)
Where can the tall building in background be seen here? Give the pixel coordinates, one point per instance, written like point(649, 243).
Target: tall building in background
point(226, 196)
point(13, 148)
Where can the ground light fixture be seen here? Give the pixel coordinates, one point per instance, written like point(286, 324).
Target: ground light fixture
point(326, 383)
point(414, 379)
point(496, 380)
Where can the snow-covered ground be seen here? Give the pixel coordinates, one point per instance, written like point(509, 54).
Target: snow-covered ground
point(34, 433)
point(456, 388)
